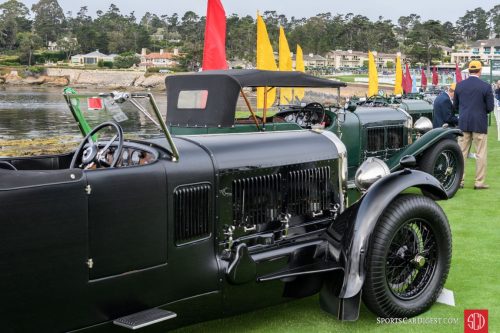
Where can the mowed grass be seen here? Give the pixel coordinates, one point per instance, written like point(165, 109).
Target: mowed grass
point(350, 78)
point(474, 276)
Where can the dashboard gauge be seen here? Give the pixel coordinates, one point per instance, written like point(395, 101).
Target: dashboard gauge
point(125, 156)
point(136, 157)
point(290, 118)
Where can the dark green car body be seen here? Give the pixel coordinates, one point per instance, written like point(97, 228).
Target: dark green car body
point(217, 222)
point(382, 130)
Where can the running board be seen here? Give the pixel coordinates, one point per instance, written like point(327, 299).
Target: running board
point(144, 318)
point(315, 268)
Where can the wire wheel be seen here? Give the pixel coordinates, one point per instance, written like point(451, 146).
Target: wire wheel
point(408, 258)
point(445, 168)
point(444, 161)
point(411, 259)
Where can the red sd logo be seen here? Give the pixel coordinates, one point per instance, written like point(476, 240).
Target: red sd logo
point(475, 321)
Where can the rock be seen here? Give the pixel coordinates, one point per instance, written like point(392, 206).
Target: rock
point(152, 81)
point(34, 80)
point(13, 78)
point(56, 81)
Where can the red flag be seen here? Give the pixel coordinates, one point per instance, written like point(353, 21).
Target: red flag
point(424, 79)
point(435, 78)
point(403, 83)
point(214, 51)
point(458, 73)
point(409, 81)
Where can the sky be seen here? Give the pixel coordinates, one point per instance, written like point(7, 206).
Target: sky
point(444, 10)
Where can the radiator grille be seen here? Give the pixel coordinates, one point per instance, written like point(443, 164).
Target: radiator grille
point(308, 190)
point(395, 137)
point(256, 200)
point(375, 139)
point(381, 138)
point(192, 209)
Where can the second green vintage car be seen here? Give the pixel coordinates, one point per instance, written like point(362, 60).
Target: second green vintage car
point(386, 133)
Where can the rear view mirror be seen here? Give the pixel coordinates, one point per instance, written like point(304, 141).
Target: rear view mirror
point(351, 107)
point(408, 161)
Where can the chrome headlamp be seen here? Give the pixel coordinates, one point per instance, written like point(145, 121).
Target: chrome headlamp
point(423, 124)
point(369, 172)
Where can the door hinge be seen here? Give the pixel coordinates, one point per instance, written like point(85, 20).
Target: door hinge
point(90, 263)
point(88, 189)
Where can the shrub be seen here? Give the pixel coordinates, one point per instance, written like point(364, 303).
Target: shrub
point(126, 61)
point(153, 70)
point(9, 60)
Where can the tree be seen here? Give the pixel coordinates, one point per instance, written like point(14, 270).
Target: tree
point(474, 24)
point(126, 60)
point(28, 43)
point(13, 19)
point(68, 45)
point(49, 20)
point(424, 42)
point(452, 35)
point(494, 19)
point(406, 24)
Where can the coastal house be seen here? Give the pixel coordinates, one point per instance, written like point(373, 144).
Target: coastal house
point(484, 50)
point(159, 59)
point(92, 58)
point(313, 60)
point(354, 59)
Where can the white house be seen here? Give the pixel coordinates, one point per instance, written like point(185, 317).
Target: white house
point(484, 50)
point(92, 58)
point(159, 59)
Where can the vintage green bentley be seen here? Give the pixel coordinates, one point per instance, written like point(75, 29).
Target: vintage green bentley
point(373, 130)
point(137, 229)
point(417, 105)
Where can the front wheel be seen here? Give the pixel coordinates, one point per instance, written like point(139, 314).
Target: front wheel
point(408, 259)
point(445, 162)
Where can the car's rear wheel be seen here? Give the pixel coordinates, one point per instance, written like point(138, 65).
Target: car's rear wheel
point(408, 259)
point(445, 162)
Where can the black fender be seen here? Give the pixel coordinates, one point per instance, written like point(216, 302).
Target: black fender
point(369, 209)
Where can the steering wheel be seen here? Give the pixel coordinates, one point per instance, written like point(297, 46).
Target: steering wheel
point(307, 113)
point(88, 151)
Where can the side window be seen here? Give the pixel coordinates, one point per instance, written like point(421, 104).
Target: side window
point(192, 99)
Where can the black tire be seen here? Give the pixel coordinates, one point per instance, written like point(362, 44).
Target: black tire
point(445, 162)
point(421, 279)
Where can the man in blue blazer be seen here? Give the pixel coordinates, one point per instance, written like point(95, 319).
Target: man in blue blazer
point(474, 100)
point(443, 109)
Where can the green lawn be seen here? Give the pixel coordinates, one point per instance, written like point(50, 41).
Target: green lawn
point(349, 78)
point(474, 275)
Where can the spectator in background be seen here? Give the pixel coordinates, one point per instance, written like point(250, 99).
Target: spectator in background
point(497, 93)
point(474, 100)
point(443, 109)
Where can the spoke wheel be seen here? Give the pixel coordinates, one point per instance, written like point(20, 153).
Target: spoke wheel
point(445, 168)
point(444, 161)
point(408, 259)
point(411, 259)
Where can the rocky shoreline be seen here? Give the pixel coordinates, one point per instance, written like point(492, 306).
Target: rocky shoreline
point(61, 77)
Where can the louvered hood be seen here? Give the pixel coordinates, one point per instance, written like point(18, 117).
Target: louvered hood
point(266, 149)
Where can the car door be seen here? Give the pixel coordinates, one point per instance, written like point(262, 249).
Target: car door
point(127, 220)
point(43, 245)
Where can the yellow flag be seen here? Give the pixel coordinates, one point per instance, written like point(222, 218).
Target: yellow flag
point(372, 76)
point(299, 67)
point(285, 64)
point(398, 84)
point(265, 60)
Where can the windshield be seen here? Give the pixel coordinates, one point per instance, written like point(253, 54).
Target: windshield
point(133, 111)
